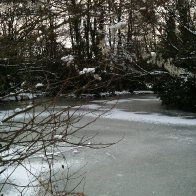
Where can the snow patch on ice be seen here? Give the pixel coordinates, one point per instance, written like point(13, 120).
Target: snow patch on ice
point(89, 106)
point(58, 137)
point(154, 118)
point(17, 110)
point(24, 174)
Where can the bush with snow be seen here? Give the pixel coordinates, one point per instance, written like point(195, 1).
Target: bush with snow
point(87, 70)
point(179, 92)
point(38, 85)
point(119, 25)
point(68, 59)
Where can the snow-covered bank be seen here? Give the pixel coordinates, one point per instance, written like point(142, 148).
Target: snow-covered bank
point(21, 96)
point(110, 94)
point(98, 107)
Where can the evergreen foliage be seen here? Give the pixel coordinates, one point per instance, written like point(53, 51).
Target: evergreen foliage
point(179, 45)
point(180, 92)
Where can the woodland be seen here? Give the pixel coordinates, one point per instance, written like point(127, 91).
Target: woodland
point(84, 46)
point(54, 50)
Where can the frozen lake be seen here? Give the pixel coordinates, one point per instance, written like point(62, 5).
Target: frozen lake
point(156, 154)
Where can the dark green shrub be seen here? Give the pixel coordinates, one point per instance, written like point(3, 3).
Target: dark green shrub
point(180, 92)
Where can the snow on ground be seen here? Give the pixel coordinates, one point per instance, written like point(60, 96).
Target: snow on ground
point(24, 176)
point(20, 176)
point(31, 172)
point(22, 96)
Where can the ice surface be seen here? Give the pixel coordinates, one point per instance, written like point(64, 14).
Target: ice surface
point(153, 156)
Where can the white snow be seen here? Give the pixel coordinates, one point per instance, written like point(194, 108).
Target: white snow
point(21, 96)
point(21, 176)
point(154, 118)
point(15, 97)
point(75, 151)
point(39, 85)
point(87, 107)
point(17, 110)
point(58, 137)
point(29, 106)
point(104, 94)
point(122, 92)
point(68, 59)
point(24, 174)
point(97, 77)
point(143, 92)
point(107, 94)
point(87, 70)
point(88, 95)
point(143, 117)
point(158, 72)
point(110, 155)
point(119, 25)
point(142, 8)
point(23, 84)
point(111, 102)
point(140, 116)
point(9, 98)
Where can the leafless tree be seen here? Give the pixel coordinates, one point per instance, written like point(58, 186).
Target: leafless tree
point(39, 129)
point(61, 48)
